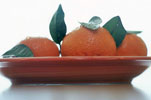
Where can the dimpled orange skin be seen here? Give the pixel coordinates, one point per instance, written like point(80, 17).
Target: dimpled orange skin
point(132, 45)
point(41, 46)
point(86, 42)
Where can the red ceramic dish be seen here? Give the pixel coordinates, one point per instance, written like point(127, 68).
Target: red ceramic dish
point(109, 69)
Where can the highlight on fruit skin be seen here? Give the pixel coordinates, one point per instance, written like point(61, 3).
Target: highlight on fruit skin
point(86, 42)
point(132, 45)
point(41, 46)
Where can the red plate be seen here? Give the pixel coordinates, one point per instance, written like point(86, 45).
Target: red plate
point(97, 69)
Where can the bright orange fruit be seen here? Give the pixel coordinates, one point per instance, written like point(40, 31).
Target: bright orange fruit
point(132, 45)
point(86, 42)
point(41, 46)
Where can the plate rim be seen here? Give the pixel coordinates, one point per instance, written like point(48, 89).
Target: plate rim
point(75, 58)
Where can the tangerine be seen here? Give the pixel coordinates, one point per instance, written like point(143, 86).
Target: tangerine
point(41, 46)
point(86, 42)
point(132, 45)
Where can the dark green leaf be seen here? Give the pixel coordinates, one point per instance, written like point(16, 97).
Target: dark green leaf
point(20, 50)
point(134, 32)
point(93, 24)
point(115, 27)
point(57, 25)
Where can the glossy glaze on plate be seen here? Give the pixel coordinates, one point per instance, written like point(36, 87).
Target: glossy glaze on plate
point(109, 69)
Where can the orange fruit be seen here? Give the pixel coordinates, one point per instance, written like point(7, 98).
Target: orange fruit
point(86, 42)
point(132, 45)
point(41, 46)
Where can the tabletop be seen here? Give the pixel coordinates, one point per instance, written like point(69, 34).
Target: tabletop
point(138, 89)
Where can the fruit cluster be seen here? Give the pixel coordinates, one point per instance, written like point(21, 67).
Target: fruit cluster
point(90, 39)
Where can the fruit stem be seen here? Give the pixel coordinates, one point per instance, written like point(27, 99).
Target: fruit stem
point(60, 48)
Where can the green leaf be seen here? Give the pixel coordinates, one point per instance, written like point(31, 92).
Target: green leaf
point(57, 26)
point(134, 32)
point(95, 20)
point(20, 50)
point(116, 29)
point(93, 24)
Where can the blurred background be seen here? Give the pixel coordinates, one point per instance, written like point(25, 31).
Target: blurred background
point(22, 18)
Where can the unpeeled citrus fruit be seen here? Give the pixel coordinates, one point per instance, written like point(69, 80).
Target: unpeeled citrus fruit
point(41, 46)
point(132, 45)
point(86, 42)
